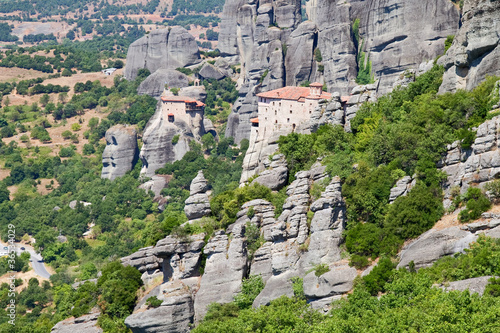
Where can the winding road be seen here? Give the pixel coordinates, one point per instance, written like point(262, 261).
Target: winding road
point(35, 259)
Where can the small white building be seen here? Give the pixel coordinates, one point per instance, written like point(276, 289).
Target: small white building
point(282, 110)
point(109, 71)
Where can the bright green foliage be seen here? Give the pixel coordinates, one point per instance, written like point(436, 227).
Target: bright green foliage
point(448, 42)
point(175, 139)
point(476, 204)
point(321, 269)
point(364, 69)
point(153, 302)
point(118, 286)
point(379, 276)
point(250, 289)
point(493, 287)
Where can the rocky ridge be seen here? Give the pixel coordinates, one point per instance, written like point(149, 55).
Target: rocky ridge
point(197, 205)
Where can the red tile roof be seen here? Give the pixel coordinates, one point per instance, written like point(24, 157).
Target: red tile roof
point(170, 114)
point(293, 93)
point(316, 84)
point(254, 120)
point(185, 99)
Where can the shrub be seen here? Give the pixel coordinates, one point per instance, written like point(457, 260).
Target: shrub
point(66, 134)
point(175, 139)
point(153, 302)
point(24, 138)
point(67, 151)
point(476, 204)
point(88, 149)
point(493, 287)
point(250, 289)
point(379, 276)
point(76, 127)
point(321, 269)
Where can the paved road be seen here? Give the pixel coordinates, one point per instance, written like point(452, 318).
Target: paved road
point(36, 259)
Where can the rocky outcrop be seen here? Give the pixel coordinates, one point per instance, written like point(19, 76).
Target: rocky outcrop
point(178, 261)
point(337, 281)
point(340, 110)
point(275, 176)
point(474, 166)
point(209, 71)
point(162, 48)
point(300, 64)
point(474, 285)
point(174, 315)
point(327, 226)
point(476, 48)
point(83, 324)
point(121, 152)
point(197, 204)
point(225, 268)
point(402, 188)
point(155, 84)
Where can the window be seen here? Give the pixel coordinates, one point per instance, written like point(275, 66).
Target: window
point(275, 121)
point(170, 118)
point(290, 111)
point(275, 112)
point(288, 120)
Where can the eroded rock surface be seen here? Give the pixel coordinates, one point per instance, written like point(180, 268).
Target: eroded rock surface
point(197, 204)
point(154, 84)
point(162, 48)
point(476, 48)
point(83, 324)
point(121, 152)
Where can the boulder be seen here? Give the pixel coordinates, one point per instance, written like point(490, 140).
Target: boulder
point(154, 84)
point(83, 324)
point(337, 281)
point(209, 71)
point(162, 48)
point(276, 175)
point(435, 244)
point(121, 152)
point(474, 285)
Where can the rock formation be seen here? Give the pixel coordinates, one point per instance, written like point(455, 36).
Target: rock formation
point(389, 34)
point(476, 48)
point(209, 71)
point(163, 48)
point(477, 165)
point(83, 324)
point(159, 147)
point(121, 152)
point(402, 187)
point(271, 59)
point(275, 175)
point(474, 285)
point(198, 204)
point(155, 84)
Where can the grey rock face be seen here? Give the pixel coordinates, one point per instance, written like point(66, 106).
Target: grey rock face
point(74, 203)
point(433, 245)
point(276, 174)
point(474, 285)
point(327, 226)
point(156, 184)
point(163, 48)
point(257, 40)
point(154, 84)
point(209, 71)
point(174, 315)
point(402, 187)
point(478, 165)
point(121, 152)
point(336, 44)
point(225, 267)
point(180, 257)
point(394, 44)
point(339, 280)
point(475, 49)
point(299, 60)
point(198, 204)
point(83, 324)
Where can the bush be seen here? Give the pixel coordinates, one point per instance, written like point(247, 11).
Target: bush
point(476, 204)
point(153, 302)
point(76, 127)
point(88, 149)
point(376, 280)
point(175, 139)
point(67, 151)
point(66, 134)
point(250, 289)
